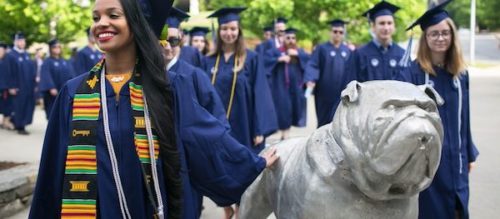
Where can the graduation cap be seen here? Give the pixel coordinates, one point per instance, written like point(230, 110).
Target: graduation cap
point(156, 12)
point(337, 23)
point(226, 15)
point(268, 28)
point(53, 42)
point(3, 45)
point(198, 31)
point(281, 20)
point(19, 35)
point(380, 9)
point(431, 17)
point(176, 17)
point(291, 30)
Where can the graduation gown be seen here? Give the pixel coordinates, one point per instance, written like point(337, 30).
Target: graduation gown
point(252, 112)
point(5, 85)
point(24, 79)
point(192, 56)
point(212, 162)
point(450, 186)
point(286, 83)
point(205, 92)
point(85, 59)
point(53, 75)
point(370, 63)
point(327, 68)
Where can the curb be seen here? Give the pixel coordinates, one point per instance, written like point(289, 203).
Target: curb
point(16, 188)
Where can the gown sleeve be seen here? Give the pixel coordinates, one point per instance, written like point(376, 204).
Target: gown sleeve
point(303, 59)
point(312, 67)
point(472, 150)
point(46, 81)
point(264, 112)
point(219, 167)
point(351, 69)
point(48, 190)
point(270, 61)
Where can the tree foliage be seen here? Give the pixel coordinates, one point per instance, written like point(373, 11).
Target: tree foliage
point(33, 18)
point(311, 16)
point(487, 16)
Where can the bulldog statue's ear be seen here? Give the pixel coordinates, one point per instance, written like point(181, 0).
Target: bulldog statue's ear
point(433, 94)
point(351, 93)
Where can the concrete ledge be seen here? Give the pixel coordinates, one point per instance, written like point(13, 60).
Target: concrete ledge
point(16, 188)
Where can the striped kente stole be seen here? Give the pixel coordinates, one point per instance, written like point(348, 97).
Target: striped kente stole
point(80, 179)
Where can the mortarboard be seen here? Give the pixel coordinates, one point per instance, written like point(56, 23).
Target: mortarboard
point(431, 17)
point(226, 15)
point(291, 30)
point(281, 20)
point(19, 35)
point(380, 9)
point(198, 31)
point(52, 42)
point(337, 23)
point(268, 28)
point(156, 12)
point(176, 17)
point(3, 45)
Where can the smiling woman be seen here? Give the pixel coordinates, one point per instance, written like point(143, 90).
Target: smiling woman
point(126, 152)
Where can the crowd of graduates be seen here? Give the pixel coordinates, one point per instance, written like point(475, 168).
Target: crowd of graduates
point(255, 93)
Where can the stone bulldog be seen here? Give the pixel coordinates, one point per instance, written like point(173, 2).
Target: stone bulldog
point(382, 148)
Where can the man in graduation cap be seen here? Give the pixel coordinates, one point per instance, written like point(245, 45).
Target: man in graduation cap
point(325, 71)
point(189, 54)
point(287, 65)
point(377, 60)
point(267, 34)
point(279, 36)
point(54, 73)
point(440, 64)
point(5, 86)
point(198, 39)
point(87, 57)
point(23, 72)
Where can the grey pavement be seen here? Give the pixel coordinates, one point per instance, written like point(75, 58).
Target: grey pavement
point(485, 116)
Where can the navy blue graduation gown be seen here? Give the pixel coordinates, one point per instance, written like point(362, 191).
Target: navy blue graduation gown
point(451, 182)
point(85, 59)
point(213, 163)
point(192, 56)
point(205, 92)
point(286, 83)
point(53, 75)
point(327, 68)
point(252, 112)
point(24, 78)
point(370, 62)
point(5, 85)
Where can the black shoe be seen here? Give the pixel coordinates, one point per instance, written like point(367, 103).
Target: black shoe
point(22, 132)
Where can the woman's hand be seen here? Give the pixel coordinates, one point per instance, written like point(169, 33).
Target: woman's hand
point(258, 140)
point(270, 157)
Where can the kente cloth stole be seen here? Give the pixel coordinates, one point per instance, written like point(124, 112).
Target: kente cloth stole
point(80, 179)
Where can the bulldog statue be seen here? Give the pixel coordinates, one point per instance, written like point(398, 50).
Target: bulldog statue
point(382, 148)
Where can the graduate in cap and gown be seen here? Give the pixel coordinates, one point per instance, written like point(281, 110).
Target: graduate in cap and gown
point(147, 151)
point(55, 71)
point(279, 36)
point(87, 57)
point(189, 54)
point(198, 39)
point(237, 75)
point(267, 34)
point(379, 59)
point(440, 64)
point(5, 88)
point(23, 72)
point(325, 72)
point(287, 65)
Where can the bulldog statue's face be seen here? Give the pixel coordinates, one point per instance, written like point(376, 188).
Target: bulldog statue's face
point(391, 135)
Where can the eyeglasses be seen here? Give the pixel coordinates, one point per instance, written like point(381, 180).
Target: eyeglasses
point(338, 31)
point(172, 41)
point(434, 35)
point(291, 38)
point(281, 31)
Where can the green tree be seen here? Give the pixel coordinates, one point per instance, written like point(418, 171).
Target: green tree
point(311, 16)
point(34, 18)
